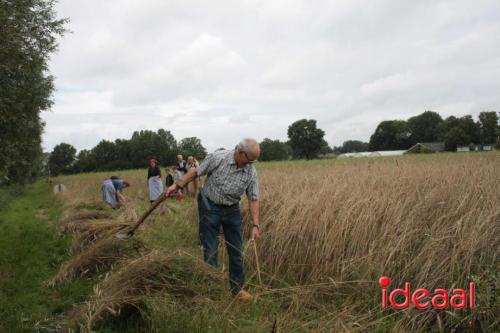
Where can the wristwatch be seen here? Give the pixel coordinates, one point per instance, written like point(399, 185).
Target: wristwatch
point(255, 226)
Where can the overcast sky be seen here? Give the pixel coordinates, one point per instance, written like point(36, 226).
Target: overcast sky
point(224, 70)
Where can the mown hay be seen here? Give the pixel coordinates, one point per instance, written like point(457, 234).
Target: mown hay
point(178, 275)
point(89, 232)
point(95, 258)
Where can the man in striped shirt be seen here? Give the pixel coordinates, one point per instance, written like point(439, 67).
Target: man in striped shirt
point(230, 174)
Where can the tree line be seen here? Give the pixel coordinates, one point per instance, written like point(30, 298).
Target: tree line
point(305, 141)
point(429, 126)
point(124, 154)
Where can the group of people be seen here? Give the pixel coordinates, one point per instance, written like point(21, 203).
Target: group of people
point(112, 188)
point(155, 184)
point(230, 174)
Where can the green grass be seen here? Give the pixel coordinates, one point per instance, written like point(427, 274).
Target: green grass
point(31, 252)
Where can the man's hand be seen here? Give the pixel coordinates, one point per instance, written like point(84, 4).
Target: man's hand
point(255, 234)
point(171, 189)
point(254, 213)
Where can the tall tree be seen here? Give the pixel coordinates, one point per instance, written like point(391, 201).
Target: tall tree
point(466, 123)
point(147, 144)
point(470, 127)
point(61, 159)
point(424, 127)
point(105, 154)
point(28, 32)
point(305, 139)
point(456, 137)
point(488, 122)
point(274, 150)
point(391, 135)
point(123, 156)
point(192, 147)
point(168, 147)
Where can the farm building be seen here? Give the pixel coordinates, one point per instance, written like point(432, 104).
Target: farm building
point(426, 147)
point(389, 152)
point(373, 153)
point(484, 147)
point(480, 147)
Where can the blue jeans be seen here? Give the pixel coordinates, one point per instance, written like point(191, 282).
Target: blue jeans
point(211, 217)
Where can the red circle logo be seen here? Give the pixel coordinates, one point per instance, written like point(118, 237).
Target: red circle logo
point(384, 281)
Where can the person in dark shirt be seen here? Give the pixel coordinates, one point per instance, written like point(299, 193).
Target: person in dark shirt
point(153, 169)
point(181, 165)
point(169, 179)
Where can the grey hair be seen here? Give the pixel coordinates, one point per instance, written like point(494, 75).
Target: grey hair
point(247, 145)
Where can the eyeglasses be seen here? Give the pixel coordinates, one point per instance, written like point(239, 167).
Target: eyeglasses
point(248, 159)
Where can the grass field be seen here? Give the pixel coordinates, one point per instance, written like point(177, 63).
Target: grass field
point(331, 228)
point(31, 253)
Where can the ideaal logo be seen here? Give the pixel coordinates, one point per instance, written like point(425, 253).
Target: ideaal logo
point(460, 298)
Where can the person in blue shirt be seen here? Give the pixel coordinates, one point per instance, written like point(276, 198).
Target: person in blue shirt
point(112, 191)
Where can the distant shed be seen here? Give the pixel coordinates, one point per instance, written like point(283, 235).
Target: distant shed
point(426, 147)
point(379, 153)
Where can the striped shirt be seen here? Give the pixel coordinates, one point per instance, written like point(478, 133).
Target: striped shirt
point(226, 183)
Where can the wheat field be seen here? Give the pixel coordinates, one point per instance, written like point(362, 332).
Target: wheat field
point(331, 228)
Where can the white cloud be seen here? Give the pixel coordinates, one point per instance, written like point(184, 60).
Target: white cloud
point(232, 69)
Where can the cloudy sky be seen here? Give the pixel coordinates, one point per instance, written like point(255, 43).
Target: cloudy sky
point(223, 70)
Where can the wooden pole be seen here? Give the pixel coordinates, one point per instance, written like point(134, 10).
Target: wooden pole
point(257, 260)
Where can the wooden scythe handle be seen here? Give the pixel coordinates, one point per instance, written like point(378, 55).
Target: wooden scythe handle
point(144, 216)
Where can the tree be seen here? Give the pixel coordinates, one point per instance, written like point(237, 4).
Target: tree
point(61, 159)
point(105, 154)
point(168, 147)
point(325, 148)
point(424, 127)
point(466, 123)
point(146, 144)
point(85, 162)
point(192, 147)
point(470, 128)
point(274, 150)
point(488, 122)
point(123, 153)
point(352, 146)
point(390, 135)
point(28, 32)
point(305, 139)
point(454, 138)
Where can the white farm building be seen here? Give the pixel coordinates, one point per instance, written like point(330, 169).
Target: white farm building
point(373, 153)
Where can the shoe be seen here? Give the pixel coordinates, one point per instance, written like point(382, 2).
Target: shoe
point(244, 296)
